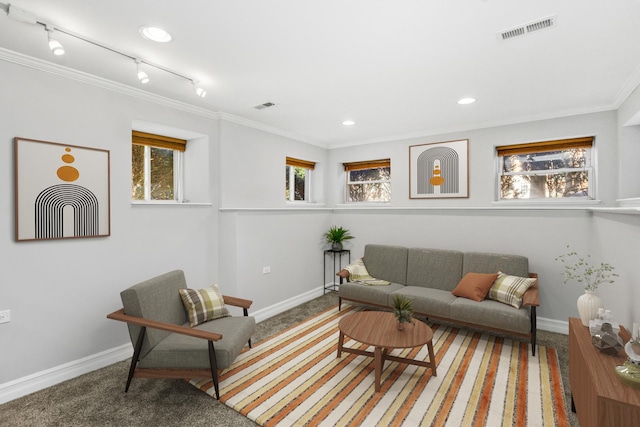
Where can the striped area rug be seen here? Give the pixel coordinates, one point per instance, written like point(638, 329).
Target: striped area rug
point(295, 379)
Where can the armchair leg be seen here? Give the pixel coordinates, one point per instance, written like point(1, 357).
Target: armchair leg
point(339, 303)
point(136, 355)
point(214, 369)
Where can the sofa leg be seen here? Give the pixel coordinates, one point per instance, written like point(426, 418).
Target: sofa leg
point(339, 303)
point(534, 328)
point(136, 355)
point(214, 369)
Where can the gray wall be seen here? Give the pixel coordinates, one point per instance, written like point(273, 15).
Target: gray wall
point(59, 292)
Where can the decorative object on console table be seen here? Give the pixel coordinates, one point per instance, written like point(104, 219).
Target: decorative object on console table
point(336, 235)
point(403, 310)
point(588, 305)
point(591, 276)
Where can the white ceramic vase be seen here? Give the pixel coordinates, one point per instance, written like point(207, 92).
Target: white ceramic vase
point(588, 305)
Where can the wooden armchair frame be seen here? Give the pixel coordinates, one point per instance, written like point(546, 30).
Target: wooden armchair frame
point(134, 371)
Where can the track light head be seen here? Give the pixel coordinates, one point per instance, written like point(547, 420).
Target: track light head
point(54, 44)
point(199, 91)
point(142, 76)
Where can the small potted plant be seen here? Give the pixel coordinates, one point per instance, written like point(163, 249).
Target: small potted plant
point(591, 276)
point(403, 310)
point(336, 235)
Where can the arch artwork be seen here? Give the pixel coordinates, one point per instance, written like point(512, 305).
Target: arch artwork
point(62, 191)
point(438, 170)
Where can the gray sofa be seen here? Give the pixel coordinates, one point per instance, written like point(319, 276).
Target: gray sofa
point(428, 276)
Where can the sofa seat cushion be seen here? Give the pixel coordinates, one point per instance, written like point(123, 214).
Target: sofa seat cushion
point(181, 351)
point(432, 302)
point(369, 294)
point(491, 313)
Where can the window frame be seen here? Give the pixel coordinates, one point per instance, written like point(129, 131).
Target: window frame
point(308, 166)
point(178, 146)
point(586, 142)
point(362, 165)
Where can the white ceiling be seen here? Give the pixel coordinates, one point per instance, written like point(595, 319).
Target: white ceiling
point(397, 68)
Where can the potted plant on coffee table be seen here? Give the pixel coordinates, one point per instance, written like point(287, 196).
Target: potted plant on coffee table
point(336, 235)
point(403, 310)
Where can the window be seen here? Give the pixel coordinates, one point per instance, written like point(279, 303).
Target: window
point(156, 164)
point(298, 179)
point(368, 181)
point(546, 170)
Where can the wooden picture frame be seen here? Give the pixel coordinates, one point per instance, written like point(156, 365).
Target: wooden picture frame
point(439, 170)
point(61, 191)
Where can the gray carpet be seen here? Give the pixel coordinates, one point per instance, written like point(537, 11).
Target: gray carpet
point(98, 398)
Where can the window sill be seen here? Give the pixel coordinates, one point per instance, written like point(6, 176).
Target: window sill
point(168, 203)
point(548, 204)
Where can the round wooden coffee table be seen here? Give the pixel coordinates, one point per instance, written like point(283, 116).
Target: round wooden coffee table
point(379, 329)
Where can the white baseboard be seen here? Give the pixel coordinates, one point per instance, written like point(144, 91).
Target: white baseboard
point(551, 325)
point(278, 308)
point(49, 377)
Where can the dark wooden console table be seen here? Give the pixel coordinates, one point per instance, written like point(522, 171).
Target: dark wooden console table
point(598, 396)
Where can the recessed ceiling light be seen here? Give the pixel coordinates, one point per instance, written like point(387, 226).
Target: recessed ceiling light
point(155, 34)
point(465, 101)
point(348, 123)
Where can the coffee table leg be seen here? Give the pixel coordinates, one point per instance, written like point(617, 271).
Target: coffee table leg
point(432, 358)
point(340, 343)
point(377, 360)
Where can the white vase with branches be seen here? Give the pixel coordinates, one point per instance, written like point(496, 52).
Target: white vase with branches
point(582, 270)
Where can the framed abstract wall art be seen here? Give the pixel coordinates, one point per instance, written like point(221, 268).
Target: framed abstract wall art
point(61, 191)
point(439, 170)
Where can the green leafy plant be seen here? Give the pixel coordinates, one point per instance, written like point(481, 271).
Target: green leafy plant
point(337, 234)
point(584, 271)
point(402, 308)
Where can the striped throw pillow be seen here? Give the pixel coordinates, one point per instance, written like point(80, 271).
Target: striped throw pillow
point(203, 305)
point(510, 289)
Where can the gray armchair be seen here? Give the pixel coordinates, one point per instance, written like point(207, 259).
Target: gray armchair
point(165, 346)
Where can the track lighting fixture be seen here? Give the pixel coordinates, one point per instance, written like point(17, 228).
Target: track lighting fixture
point(27, 17)
point(54, 44)
point(199, 91)
point(142, 76)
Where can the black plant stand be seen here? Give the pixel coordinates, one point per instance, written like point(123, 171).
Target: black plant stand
point(337, 259)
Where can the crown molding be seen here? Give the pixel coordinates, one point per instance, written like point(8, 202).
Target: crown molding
point(80, 76)
point(261, 126)
point(477, 126)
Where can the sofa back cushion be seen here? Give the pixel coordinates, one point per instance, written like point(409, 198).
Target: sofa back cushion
point(386, 262)
point(484, 262)
point(434, 268)
point(155, 299)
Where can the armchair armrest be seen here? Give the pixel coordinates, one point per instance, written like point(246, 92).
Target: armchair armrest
point(237, 302)
point(169, 327)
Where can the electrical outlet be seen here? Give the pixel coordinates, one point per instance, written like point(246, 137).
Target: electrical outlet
point(5, 316)
point(266, 270)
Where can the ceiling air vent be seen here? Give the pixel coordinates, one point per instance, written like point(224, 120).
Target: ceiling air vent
point(521, 30)
point(265, 105)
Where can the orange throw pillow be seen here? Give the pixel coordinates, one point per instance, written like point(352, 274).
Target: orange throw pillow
point(475, 286)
